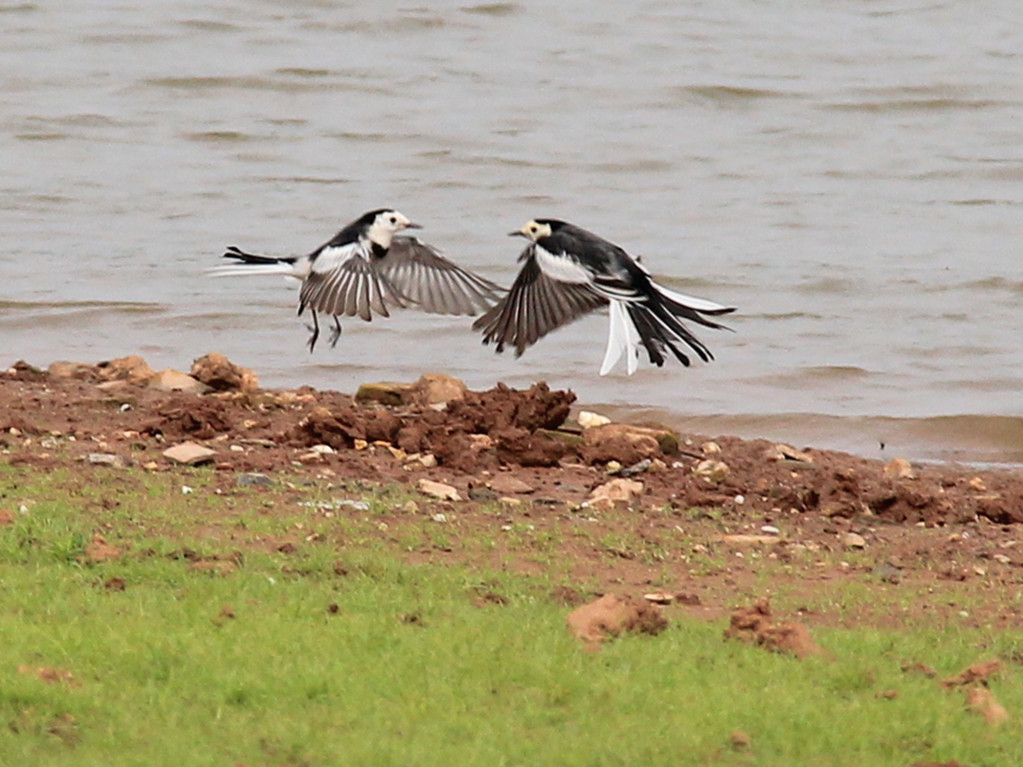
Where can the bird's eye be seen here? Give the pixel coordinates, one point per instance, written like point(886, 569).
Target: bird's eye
point(394, 220)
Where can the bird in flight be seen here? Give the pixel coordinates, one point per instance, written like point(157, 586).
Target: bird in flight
point(569, 272)
point(366, 269)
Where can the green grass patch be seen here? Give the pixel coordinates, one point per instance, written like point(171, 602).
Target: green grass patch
point(285, 660)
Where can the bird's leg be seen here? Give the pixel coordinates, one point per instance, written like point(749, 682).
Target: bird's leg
point(315, 330)
point(335, 333)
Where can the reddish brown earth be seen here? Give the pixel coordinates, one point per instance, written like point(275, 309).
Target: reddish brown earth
point(948, 539)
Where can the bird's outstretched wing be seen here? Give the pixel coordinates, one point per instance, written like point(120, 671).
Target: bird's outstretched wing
point(535, 305)
point(343, 282)
point(433, 283)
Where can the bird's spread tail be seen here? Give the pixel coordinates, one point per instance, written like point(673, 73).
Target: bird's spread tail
point(250, 263)
point(655, 323)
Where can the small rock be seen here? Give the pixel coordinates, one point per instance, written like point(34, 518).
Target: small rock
point(978, 484)
point(189, 454)
point(588, 420)
point(175, 380)
point(770, 530)
point(627, 444)
point(710, 448)
point(854, 541)
point(66, 370)
point(748, 540)
point(254, 479)
point(439, 517)
point(438, 490)
point(712, 471)
point(660, 597)
point(616, 491)
point(781, 452)
point(508, 484)
point(105, 459)
point(349, 503)
point(899, 468)
point(133, 369)
point(436, 389)
point(220, 374)
point(636, 468)
point(384, 392)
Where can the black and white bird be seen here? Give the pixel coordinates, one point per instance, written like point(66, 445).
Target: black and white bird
point(365, 269)
point(569, 272)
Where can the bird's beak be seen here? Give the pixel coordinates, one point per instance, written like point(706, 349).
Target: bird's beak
point(517, 233)
point(411, 225)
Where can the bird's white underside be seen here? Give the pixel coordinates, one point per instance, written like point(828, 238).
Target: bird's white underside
point(561, 268)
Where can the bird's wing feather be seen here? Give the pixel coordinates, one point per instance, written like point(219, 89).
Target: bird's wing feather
point(535, 305)
point(433, 283)
point(342, 281)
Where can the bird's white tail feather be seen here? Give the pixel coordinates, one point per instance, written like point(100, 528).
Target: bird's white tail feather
point(622, 337)
point(632, 343)
point(236, 270)
point(699, 304)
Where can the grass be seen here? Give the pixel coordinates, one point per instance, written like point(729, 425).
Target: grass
point(284, 661)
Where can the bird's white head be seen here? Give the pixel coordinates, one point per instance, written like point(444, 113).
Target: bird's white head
point(533, 231)
point(385, 224)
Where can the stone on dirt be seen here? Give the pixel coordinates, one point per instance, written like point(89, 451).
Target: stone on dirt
point(436, 389)
point(105, 459)
point(712, 471)
point(189, 454)
point(588, 420)
point(438, 490)
point(77, 370)
point(616, 491)
point(627, 444)
point(899, 468)
point(384, 392)
point(509, 484)
point(612, 615)
point(782, 452)
point(854, 541)
point(132, 368)
point(220, 374)
point(174, 380)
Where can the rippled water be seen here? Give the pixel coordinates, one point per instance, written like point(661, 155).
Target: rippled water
point(848, 175)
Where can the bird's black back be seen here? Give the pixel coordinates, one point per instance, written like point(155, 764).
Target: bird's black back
point(351, 232)
point(592, 250)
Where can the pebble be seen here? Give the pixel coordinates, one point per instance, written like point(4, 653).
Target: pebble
point(770, 529)
point(254, 479)
point(854, 541)
point(712, 471)
point(438, 490)
point(588, 420)
point(189, 454)
point(105, 459)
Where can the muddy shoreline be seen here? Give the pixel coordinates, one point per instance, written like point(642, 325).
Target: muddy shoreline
point(506, 457)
